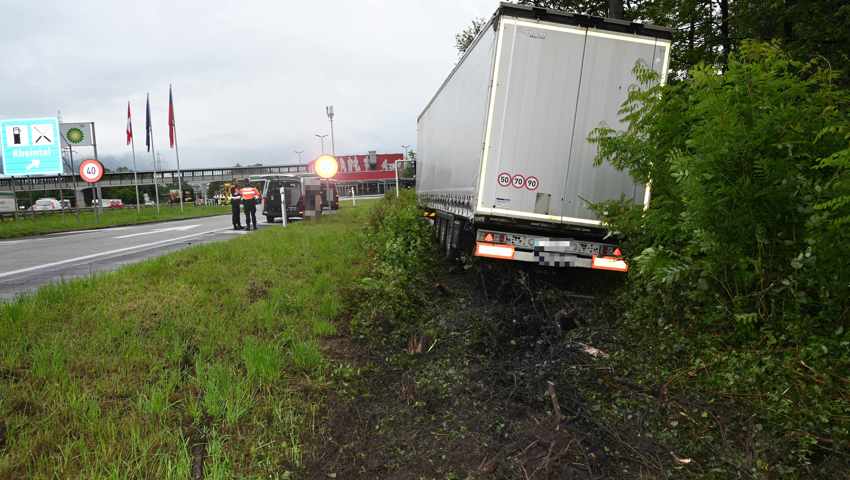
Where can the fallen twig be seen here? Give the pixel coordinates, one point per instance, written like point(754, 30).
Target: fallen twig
point(555, 405)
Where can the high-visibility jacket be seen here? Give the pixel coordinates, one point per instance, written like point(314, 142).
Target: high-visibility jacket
point(250, 194)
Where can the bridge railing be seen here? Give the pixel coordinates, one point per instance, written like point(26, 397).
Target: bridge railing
point(55, 182)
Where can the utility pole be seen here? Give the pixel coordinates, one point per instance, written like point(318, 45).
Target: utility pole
point(395, 167)
point(329, 110)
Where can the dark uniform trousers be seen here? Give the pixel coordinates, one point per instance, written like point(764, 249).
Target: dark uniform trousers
point(234, 210)
point(250, 212)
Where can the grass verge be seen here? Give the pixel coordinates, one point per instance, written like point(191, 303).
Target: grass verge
point(40, 224)
point(200, 364)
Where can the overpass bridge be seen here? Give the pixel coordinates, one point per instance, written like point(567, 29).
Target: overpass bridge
point(161, 177)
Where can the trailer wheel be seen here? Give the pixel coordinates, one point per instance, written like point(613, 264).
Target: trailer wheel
point(441, 231)
point(451, 237)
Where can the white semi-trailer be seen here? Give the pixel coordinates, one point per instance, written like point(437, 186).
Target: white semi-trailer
point(503, 158)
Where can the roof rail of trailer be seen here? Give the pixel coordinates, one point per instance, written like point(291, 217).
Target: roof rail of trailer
point(587, 21)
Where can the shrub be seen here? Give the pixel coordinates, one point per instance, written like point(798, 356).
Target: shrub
point(401, 252)
point(740, 249)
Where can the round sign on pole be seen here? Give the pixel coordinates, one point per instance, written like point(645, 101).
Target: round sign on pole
point(91, 171)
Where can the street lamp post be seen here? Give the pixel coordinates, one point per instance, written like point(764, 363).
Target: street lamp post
point(322, 139)
point(299, 152)
point(395, 167)
point(329, 110)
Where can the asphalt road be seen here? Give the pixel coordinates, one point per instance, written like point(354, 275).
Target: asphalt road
point(28, 263)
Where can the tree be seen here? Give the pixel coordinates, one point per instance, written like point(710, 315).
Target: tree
point(615, 8)
point(464, 39)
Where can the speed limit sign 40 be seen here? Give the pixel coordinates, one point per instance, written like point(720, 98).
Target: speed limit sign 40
point(91, 171)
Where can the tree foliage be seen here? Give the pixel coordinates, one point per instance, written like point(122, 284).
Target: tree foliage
point(742, 239)
point(464, 39)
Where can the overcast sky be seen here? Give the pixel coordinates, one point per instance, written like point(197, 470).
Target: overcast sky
point(251, 78)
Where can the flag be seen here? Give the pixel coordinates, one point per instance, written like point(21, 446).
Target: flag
point(129, 125)
point(172, 133)
point(148, 130)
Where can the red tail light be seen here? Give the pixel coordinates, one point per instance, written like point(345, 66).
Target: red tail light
point(609, 263)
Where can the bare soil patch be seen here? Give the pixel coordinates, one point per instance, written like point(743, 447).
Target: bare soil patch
point(471, 398)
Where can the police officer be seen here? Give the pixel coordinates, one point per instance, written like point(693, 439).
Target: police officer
point(250, 198)
point(235, 201)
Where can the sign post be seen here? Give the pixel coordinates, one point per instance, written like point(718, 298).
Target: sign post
point(283, 205)
point(91, 171)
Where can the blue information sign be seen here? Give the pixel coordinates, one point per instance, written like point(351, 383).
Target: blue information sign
point(31, 146)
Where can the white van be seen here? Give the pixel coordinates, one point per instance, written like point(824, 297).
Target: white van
point(46, 204)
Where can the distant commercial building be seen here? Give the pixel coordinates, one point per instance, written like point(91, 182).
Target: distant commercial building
point(369, 174)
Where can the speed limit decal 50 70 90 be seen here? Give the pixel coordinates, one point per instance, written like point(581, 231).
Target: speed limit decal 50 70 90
point(518, 181)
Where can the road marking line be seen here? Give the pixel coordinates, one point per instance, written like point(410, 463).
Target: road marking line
point(12, 242)
point(103, 254)
point(159, 230)
point(80, 232)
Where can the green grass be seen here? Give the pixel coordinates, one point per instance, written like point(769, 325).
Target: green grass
point(42, 223)
point(121, 375)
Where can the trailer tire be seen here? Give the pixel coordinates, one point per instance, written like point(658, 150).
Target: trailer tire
point(447, 237)
point(441, 233)
point(455, 227)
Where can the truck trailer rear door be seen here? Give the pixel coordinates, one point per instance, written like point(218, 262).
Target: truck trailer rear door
point(607, 74)
point(532, 109)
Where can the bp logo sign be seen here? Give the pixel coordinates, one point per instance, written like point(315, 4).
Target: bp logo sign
point(75, 136)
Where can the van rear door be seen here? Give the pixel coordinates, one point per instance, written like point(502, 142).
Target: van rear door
point(271, 194)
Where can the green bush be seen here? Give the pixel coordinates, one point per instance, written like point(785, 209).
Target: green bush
point(399, 243)
point(739, 255)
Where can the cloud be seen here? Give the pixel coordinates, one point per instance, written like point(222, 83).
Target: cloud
point(251, 78)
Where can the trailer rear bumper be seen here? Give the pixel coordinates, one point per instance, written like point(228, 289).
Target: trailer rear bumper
point(549, 252)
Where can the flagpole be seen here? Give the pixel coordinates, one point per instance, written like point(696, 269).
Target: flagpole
point(155, 181)
point(135, 174)
point(149, 134)
point(173, 128)
point(133, 150)
point(179, 173)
